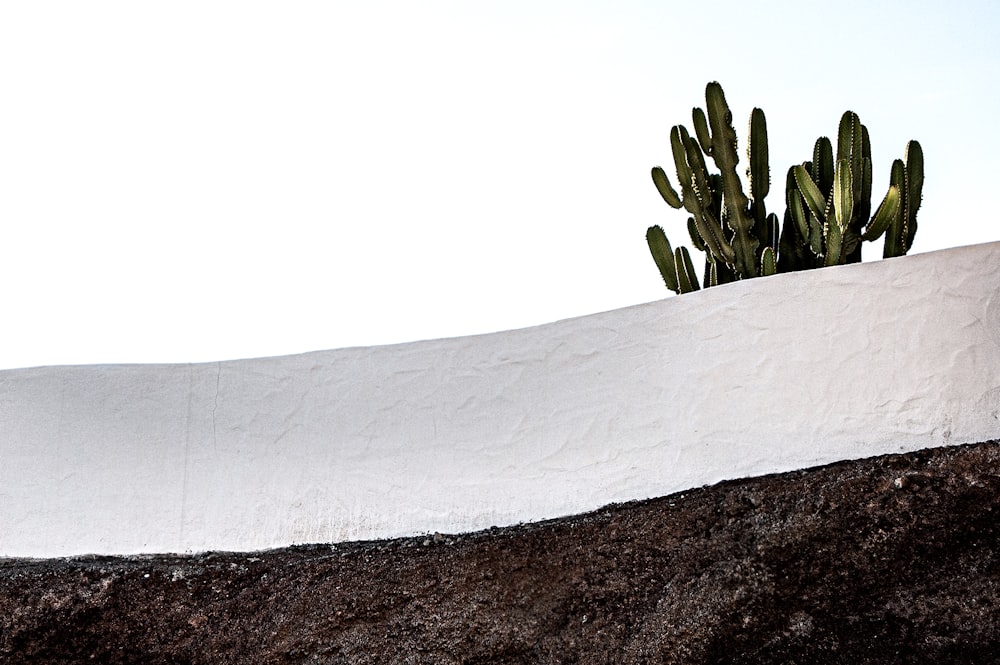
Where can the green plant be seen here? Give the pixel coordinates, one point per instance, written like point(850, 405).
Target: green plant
point(828, 202)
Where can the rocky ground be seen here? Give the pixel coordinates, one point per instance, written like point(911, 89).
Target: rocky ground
point(894, 559)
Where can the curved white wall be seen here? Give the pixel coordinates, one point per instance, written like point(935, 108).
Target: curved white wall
point(459, 434)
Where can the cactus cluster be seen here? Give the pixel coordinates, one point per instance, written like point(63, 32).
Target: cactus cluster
point(828, 202)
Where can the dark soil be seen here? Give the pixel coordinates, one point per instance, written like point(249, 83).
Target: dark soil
point(894, 559)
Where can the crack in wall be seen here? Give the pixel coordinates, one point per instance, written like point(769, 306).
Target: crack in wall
point(215, 406)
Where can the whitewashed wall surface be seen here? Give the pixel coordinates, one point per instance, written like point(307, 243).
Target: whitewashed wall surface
point(460, 434)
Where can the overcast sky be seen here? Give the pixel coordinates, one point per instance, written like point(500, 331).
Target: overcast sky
point(195, 181)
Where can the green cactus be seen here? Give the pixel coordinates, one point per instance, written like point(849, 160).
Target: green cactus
point(724, 223)
point(827, 201)
point(839, 222)
point(735, 206)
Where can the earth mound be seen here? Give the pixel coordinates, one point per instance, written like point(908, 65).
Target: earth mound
point(893, 559)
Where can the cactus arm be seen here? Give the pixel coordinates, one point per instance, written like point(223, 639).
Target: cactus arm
point(708, 225)
point(768, 265)
point(849, 136)
point(822, 165)
point(758, 172)
point(853, 145)
point(696, 190)
point(774, 229)
point(793, 205)
point(696, 240)
point(701, 130)
point(863, 206)
point(817, 206)
point(734, 201)
point(700, 179)
point(884, 216)
point(810, 192)
point(663, 256)
point(664, 188)
point(856, 158)
point(687, 280)
point(711, 273)
point(844, 131)
point(691, 171)
point(840, 216)
point(843, 194)
point(809, 225)
point(710, 230)
point(678, 139)
point(914, 161)
point(720, 119)
point(759, 179)
point(798, 213)
point(895, 233)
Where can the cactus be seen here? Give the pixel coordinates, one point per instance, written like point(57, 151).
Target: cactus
point(724, 222)
point(828, 201)
point(839, 222)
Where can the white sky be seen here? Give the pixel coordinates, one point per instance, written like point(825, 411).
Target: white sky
point(193, 181)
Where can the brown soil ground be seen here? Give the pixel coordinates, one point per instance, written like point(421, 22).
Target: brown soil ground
point(894, 559)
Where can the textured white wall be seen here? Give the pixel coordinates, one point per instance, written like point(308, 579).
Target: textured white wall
point(460, 434)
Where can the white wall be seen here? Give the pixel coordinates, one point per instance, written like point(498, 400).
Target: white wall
point(460, 434)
